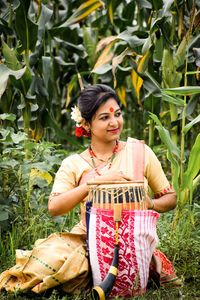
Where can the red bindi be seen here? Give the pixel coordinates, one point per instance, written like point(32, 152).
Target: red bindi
point(111, 109)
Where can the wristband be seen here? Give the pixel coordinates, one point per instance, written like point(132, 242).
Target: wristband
point(153, 205)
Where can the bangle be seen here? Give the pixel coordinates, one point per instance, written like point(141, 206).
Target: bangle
point(153, 205)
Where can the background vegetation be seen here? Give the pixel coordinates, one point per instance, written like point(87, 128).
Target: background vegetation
point(149, 51)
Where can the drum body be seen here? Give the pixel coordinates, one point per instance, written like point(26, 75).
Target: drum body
point(137, 241)
point(130, 194)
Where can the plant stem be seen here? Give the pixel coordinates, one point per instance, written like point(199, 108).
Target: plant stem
point(151, 126)
point(183, 125)
point(27, 36)
point(10, 24)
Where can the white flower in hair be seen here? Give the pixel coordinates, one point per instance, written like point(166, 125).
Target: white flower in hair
point(76, 115)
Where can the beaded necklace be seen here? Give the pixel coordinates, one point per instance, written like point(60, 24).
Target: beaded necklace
point(92, 155)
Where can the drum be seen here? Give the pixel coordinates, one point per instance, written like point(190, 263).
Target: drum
point(130, 194)
point(137, 237)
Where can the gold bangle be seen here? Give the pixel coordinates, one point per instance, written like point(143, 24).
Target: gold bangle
point(153, 205)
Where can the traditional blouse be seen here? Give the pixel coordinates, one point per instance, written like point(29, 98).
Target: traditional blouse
point(75, 170)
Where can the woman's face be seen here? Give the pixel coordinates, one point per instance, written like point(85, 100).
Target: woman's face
point(107, 123)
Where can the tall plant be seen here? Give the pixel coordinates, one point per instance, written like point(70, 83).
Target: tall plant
point(152, 56)
point(38, 59)
point(136, 46)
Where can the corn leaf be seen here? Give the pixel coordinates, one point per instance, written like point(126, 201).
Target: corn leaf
point(116, 61)
point(70, 88)
point(193, 164)
point(103, 69)
point(5, 72)
point(137, 82)
point(82, 12)
point(165, 137)
point(12, 63)
point(45, 16)
point(110, 12)
point(105, 57)
point(104, 42)
point(133, 41)
point(26, 29)
point(6, 116)
point(183, 90)
point(173, 100)
point(172, 149)
point(46, 67)
point(189, 125)
point(143, 62)
point(90, 46)
point(164, 113)
point(166, 7)
point(122, 95)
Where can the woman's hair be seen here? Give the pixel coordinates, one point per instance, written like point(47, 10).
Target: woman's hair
point(92, 97)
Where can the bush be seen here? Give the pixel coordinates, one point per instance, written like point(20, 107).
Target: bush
point(27, 170)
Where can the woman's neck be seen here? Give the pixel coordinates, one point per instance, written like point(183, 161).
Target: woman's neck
point(102, 149)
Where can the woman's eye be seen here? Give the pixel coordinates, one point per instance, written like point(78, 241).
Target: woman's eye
point(118, 114)
point(104, 118)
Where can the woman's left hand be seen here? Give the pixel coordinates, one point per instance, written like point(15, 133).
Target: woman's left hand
point(150, 203)
point(163, 204)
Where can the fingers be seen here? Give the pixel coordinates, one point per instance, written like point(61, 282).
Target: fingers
point(115, 176)
point(127, 178)
point(124, 177)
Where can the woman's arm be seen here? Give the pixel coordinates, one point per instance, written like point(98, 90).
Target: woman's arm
point(163, 204)
point(165, 197)
point(63, 203)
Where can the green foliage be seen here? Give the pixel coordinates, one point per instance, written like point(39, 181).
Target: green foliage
point(61, 40)
point(27, 170)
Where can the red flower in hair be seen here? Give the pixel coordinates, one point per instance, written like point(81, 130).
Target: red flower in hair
point(81, 131)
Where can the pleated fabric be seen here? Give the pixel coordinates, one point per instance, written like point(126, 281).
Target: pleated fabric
point(137, 242)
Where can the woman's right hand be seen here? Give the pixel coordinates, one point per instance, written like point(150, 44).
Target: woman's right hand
point(112, 176)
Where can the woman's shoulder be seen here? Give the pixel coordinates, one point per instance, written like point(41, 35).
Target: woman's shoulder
point(72, 160)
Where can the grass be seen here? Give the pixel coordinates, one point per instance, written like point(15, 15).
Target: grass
point(180, 244)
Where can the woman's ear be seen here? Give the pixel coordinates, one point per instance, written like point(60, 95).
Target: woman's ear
point(85, 125)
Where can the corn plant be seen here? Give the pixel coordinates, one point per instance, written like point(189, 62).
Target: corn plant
point(185, 170)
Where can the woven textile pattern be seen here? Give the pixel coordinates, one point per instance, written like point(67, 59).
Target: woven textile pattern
point(137, 242)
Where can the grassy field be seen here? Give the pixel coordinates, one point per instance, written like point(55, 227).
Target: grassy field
point(189, 291)
point(181, 244)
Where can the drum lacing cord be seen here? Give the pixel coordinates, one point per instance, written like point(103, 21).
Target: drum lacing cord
point(117, 219)
point(117, 232)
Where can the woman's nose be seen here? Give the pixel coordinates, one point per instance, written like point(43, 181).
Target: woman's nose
point(113, 121)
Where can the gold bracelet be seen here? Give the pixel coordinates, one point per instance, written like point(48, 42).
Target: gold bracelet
point(153, 205)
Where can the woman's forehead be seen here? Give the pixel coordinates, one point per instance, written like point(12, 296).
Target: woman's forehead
point(110, 105)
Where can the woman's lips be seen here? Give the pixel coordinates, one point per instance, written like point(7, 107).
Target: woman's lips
point(113, 130)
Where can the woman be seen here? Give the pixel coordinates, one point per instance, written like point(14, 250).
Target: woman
point(106, 159)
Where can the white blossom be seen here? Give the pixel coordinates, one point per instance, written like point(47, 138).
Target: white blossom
point(76, 115)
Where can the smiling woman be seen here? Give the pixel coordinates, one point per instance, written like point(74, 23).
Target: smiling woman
point(107, 159)
point(105, 126)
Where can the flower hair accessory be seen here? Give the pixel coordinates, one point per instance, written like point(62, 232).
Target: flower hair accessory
point(76, 116)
